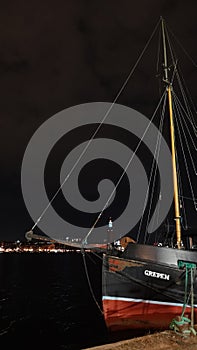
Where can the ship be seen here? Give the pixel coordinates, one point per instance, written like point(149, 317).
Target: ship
point(154, 286)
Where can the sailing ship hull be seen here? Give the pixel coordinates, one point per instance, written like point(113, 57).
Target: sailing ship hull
point(144, 288)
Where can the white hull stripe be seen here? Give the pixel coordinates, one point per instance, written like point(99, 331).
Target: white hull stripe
point(143, 301)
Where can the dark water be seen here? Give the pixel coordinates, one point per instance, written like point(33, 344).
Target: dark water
point(45, 301)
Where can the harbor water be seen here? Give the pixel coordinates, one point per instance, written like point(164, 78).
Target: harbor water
point(46, 302)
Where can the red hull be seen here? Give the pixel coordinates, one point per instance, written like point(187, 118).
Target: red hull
point(124, 315)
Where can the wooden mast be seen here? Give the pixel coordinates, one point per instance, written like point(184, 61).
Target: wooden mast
point(173, 150)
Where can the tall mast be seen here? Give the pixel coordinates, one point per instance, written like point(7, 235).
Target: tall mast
point(173, 150)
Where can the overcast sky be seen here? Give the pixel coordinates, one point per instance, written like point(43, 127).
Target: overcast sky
point(56, 54)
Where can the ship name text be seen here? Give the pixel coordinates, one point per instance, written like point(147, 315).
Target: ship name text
point(160, 275)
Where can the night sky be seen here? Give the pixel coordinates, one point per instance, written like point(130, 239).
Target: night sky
point(57, 54)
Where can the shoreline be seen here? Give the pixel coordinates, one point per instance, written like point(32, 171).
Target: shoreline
point(164, 340)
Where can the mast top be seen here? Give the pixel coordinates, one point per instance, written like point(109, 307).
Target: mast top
point(164, 52)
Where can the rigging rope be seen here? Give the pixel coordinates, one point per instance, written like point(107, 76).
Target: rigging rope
point(178, 75)
point(101, 123)
point(182, 47)
point(185, 161)
point(89, 283)
point(182, 324)
point(181, 108)
point(189, 113)
point(154, 168)
point(185, 226)
point(184, 223)
point(177, 104)
point(189, 198)
point(186, 141)
point(192, 103)
point(124, 171)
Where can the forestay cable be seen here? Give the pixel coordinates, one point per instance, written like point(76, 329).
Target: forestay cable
point(98, 128)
